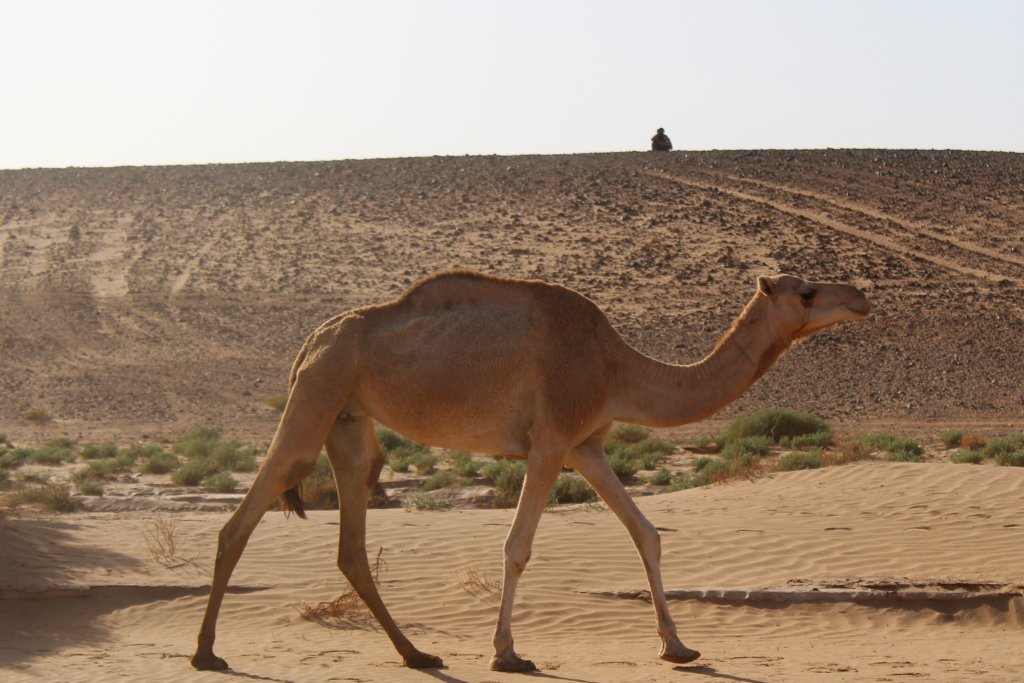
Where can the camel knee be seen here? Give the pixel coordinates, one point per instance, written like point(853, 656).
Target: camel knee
point(648, 541)
point(516, 557)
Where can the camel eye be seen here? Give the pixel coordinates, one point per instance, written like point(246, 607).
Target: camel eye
point(807, 297)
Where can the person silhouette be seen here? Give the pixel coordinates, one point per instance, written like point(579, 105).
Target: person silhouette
point(660, 142)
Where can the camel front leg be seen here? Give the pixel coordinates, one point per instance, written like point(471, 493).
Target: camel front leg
point(357, 460)
point(589, 460)
point(541, 473)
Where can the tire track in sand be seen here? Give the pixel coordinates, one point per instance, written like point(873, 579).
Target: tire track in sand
point(887, 243)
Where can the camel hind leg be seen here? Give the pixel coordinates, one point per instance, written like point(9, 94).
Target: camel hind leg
point(318, 393)
point(357, 461)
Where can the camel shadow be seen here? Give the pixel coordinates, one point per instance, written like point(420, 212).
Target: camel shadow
point(711, 672)
point(440, 675)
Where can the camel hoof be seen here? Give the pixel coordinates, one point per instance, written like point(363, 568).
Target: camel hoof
point(680, 656)
point(512, 664)
point(207, 661)
point(421, 660)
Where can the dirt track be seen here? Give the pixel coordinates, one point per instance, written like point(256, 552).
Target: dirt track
point(142, 301)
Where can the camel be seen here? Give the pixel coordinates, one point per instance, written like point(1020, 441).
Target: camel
point(522, 369)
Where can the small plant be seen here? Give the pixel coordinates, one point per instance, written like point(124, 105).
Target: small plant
point(424, 461)
point(464, 465)
point(439, 480)
point(192, 473)
point(91, 451)
point(390, 441)
point(680, 482)
point(623, 463)
point(90, 487)
point(507, 476)
point(1003, 445)
point(424, 501)
point(571, 489)
point(972, 441)
point(159, 462)
point(1015, 459)
point(814, 440)
point(661, 477)
point(968, 456)
point(51, 497)
point(221, 482)
point(36, 414)
point(626, 434)
point(477, 583)
point(51, 454)
point(706, 443)
point(951, 438)
point(898, 449)
point(401, 458)
point(348, 610)
point(747, 445)
point(318, 489)
point(14, 458)
point(775, 423)
point(162, 542)
point(800, 460)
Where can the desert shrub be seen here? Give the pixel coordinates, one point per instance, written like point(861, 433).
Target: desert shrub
point(193, 472)
point(464, 465)
point(14, 458)
point(1003, 445)
point(439, 480)
point(905, 455)
point(701, 462)
point(92, 451)
point(774, 423)
point(623, 462)
point(626, 434)
point(159, 462)
point(50, 454)
point(96, 469)
point(680, 482)
point(231, 456)
point(972, 441)
point(661, 477)
point(800, 460)
point(51, 497)
point(428, 501)
point(220, 482)
point(951, 438)
point(651, 451)
point(424, 461)
point(706, 443)
point(405, 456)
point(969, 456)
point(899, 449)
point(90, 487)
point(747, 445)
point(571, 489)
point(814, 440)
point(199, 443)
point(1015, 459)
point(390, 441)
point(507, 476)
point(36, 414)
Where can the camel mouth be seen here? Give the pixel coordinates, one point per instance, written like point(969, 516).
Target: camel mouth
point(860, 308)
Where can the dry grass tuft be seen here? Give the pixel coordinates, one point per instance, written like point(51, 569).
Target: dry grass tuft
point(347, 611)
point(477, 583)
point(162, 543)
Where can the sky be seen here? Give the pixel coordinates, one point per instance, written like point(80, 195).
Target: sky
point(147, 82)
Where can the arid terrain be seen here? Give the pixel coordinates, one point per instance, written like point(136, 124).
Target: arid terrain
point(137, 303)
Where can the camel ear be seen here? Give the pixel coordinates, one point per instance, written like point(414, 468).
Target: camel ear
point(764, 285)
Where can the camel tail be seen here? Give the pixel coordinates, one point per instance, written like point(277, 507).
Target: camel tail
point(291, 501)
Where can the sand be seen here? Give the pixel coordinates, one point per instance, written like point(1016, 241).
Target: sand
point(137, 303)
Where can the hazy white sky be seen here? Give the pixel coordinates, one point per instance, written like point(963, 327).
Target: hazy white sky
point(101, 83)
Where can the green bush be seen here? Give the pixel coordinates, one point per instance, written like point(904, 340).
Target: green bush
point(424, 461)
point(14, 458)
point(427, 501)
point(159, 462)
point(951, 438)
point(92, 451)
point(507, 476)
point(231, 456)
point(319, 490)
point(390, 441)
point(403, 457)
point(571, 489)
point(1015, 459)
point(50, 454)
point(624, 464)
point(626, 434)
point(815, 440)
point(969, 456)
point(651, 451)
point(221, 482)
point(899, 449)
point(192, 473)
point(661, 477)
point(199, 443)
point(1004, 445)
point(90, 487)
point(758, 445)
point(52, 497)
point(464, 465)
point(905, 456)
point(774, 423)
point(439, 480)
point(800, 460)
point(680, 482)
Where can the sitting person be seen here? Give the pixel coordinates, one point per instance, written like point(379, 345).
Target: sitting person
point(660, 142)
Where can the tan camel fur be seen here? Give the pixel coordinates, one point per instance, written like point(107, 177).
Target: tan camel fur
point(516, 368)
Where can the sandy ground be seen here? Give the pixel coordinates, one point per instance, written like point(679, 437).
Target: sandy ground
point(136, 303)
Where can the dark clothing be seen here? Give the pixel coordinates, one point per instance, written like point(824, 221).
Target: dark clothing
point(661, 143)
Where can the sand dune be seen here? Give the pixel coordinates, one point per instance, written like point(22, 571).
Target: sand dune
point(952, 528)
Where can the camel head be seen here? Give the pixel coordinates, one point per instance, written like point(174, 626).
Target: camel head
point(800, 308)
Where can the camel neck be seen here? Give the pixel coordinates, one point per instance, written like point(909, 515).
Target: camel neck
point(662, 395)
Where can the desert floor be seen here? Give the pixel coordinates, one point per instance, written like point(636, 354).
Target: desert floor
point(136, 303)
